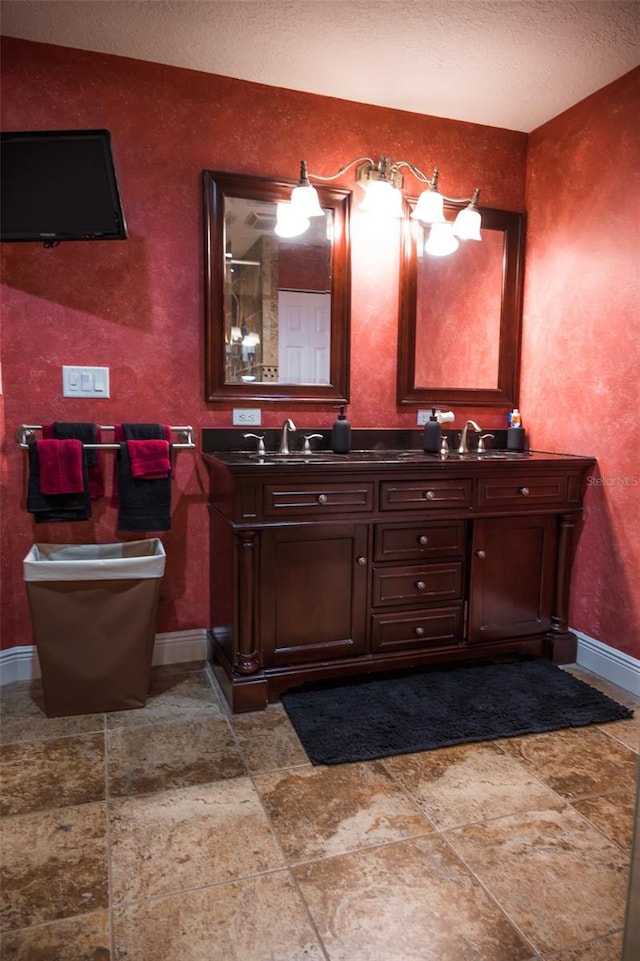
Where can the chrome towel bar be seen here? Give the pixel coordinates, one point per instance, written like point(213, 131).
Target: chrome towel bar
point(26, 434)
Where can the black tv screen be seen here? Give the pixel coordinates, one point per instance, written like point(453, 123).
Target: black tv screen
point(59, 185)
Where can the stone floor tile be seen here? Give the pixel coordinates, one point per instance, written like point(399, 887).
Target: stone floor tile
point(23, 717)
point(172, 697)
point(35, 775)
point(604, 949)
point(84, 938)
point(410, 901)
point(149, 758)
point(576, 761)
point(559, 880)
point(322, 811)
point(257, 919)
point(268, 740)
point(613, 814)
point(189, 838)
point(458, 785)
point(54, 865)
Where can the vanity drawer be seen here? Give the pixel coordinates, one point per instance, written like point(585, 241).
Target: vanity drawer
point(426, 584)
point(317, 499)
point(401, 630)
point(523, 491)
point(430, 495)
point(408, 542)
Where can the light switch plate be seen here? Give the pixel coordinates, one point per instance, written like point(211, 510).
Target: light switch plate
point(85, 382)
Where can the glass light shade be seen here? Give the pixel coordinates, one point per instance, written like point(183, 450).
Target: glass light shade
point(441, 240)
point(383, 199)
point(289, 223)
point(304, 200)
point(467, 224)
point(430, 207)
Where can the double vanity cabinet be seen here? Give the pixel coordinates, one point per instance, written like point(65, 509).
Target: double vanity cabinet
point(328, 565)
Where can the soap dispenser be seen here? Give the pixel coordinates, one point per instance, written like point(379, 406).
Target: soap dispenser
point(432, 435)
point(341, 434)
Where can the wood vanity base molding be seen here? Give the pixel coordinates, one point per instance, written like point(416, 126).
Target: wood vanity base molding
point(328, 570)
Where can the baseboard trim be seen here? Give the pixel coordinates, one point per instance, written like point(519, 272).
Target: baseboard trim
point(182, 647)
point(174, 647)
point(607, 662)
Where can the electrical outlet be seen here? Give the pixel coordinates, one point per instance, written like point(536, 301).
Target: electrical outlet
point(247, 416)
point(85, 382)
point(444, 416)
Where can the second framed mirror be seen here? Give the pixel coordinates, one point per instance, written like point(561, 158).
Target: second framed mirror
point(277, 306)
point(460, 316)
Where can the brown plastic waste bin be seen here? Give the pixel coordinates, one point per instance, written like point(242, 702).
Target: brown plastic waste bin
point(93, 609)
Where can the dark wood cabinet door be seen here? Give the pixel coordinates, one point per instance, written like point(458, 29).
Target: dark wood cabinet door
point(313, 588)
point(512, 577)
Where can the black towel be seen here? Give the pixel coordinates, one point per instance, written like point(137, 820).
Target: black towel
point(48, 508)
point(144, 504)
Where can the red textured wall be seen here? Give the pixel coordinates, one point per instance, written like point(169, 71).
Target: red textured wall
point(137, 306)
point(581, 354)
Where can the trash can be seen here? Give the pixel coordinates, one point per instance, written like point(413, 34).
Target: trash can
point(93, 609)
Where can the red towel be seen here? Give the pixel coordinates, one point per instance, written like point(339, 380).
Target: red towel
point(88, 434)
point(60, 466)
point(149, 458)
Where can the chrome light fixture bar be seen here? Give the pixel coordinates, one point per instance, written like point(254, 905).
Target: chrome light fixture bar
point(382, 182)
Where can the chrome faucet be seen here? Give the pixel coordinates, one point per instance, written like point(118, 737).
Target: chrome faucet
point(284, 440)
point(463, 448)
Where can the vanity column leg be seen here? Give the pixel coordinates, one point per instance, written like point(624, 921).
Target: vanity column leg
point(563, 644)
point(247, 660)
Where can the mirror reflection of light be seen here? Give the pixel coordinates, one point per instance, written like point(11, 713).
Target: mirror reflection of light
point(289, 223)
point(441, 240)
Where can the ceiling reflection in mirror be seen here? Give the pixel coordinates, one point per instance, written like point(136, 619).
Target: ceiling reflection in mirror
point(277, 306)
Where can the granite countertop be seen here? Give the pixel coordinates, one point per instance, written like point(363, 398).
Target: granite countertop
point(363, 458)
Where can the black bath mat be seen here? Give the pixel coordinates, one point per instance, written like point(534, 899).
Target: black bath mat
point(377, 716)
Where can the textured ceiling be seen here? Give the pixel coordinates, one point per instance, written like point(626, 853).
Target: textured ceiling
point(505, 63)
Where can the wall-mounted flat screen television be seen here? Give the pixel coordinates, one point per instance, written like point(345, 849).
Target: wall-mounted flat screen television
point(59, 185)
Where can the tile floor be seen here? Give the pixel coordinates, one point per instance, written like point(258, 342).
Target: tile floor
point(180, 833)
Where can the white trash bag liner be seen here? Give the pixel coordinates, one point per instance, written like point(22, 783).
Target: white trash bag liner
point(90, 562)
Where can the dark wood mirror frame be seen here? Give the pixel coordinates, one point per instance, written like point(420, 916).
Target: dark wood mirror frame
point(505, 394)
point(218, 185)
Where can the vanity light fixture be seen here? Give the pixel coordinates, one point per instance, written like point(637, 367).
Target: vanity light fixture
point(382, 183)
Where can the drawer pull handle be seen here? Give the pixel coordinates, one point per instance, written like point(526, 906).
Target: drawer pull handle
point(420, 585)
point(423, 539)
point(481, 555)
point(524, 491)
point(361, 561)
point(418, 631)
point(322, 498)
point(429, 495)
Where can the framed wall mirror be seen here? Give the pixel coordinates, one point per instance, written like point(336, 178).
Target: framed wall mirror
point(277, 309)
point(460, 316)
